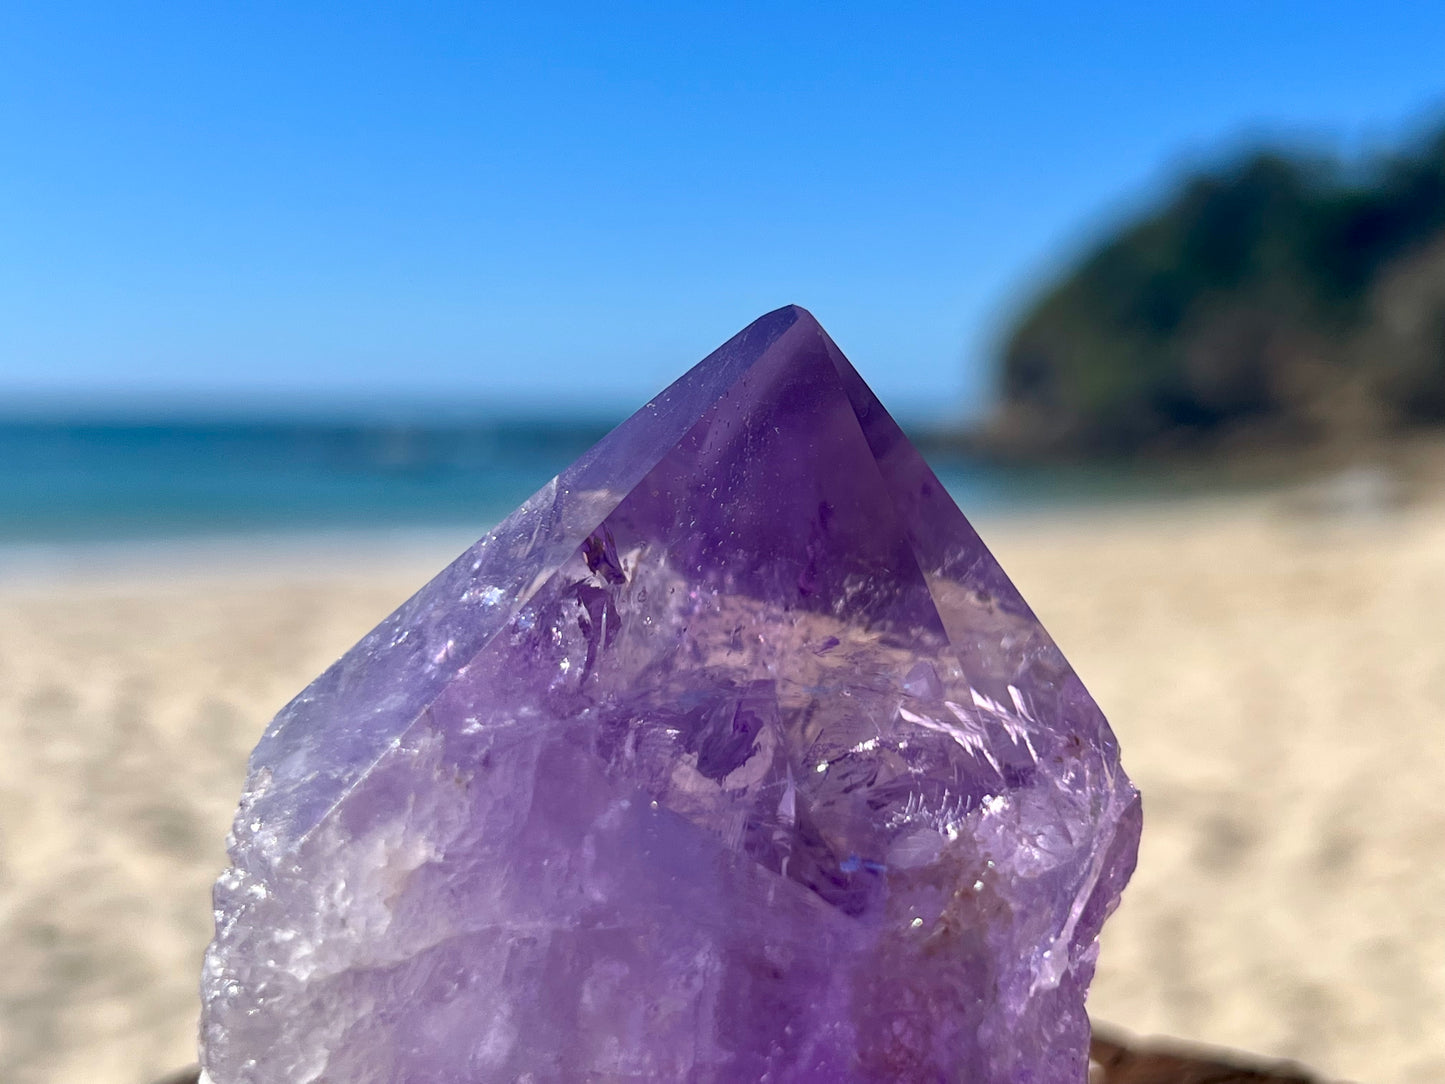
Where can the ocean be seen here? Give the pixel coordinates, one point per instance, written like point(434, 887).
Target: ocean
point(130, 480)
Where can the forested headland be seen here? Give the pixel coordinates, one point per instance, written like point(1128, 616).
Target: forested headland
point(1280, 299)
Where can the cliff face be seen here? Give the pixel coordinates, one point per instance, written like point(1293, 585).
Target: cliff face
point(1281, 296)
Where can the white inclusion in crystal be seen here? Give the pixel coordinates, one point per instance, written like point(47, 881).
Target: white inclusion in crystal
point(967, 735)
point(1052, 964)
point(1020, 704)
point(939, 820)
point(911, 811)
point(986, 703)
point(1017, 733)
point(1015, 729)
point(733, 828)
point(630, 560)
point(788, 804)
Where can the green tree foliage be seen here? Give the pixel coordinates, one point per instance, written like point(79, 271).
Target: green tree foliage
point(1281, 291)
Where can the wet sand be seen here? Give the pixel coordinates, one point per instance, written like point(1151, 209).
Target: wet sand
point(1274, 670)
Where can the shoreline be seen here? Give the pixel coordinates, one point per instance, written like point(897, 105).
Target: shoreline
point(1351, 499)
point(239, 554)
point(263, 548)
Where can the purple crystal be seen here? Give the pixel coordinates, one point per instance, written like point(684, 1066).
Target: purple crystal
point(732, 755)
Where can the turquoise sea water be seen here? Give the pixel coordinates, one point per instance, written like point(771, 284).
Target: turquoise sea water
point(95, 481)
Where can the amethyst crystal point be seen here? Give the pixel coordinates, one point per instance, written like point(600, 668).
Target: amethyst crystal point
point(732, 755)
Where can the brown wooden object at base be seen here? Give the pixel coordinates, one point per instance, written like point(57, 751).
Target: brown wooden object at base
point(1127, 1061)
point(190, 1075)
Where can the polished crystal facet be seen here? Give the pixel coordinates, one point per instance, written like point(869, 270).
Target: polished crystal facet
point(731, 755)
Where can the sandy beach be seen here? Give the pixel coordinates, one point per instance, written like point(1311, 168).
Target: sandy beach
point(1276, 676)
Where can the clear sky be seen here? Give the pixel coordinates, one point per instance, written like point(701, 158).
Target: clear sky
point(570, 203)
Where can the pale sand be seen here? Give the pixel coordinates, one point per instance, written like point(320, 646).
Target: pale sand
point(1278, 684)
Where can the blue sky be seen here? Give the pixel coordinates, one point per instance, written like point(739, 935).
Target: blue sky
point(567, 204)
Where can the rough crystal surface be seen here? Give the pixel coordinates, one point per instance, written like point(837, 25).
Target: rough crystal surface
point(732, 755)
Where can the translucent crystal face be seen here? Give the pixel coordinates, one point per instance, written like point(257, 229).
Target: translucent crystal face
point(732, 755)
